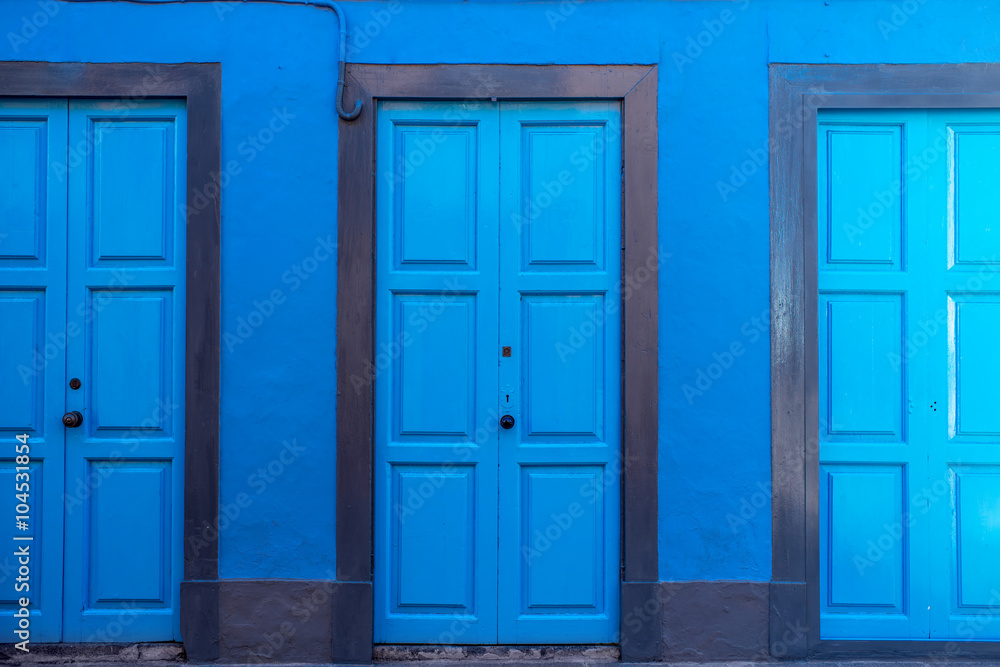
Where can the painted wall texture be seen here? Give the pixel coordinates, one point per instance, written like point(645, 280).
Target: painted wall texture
point(279, 202)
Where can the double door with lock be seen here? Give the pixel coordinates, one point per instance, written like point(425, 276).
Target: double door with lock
point(92, 243)
point(497, 372)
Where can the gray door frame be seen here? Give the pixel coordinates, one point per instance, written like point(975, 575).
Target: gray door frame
point(796, 93)
point(200, 86)
point(635, 86)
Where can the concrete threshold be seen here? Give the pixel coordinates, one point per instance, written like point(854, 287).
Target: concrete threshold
point(397, 653)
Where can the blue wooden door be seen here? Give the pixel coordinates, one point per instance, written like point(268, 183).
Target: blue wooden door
point(909, 419)
point(498, 282)
point(108, 312)
point(560, 288)
point(436, 374)
point(33, 357)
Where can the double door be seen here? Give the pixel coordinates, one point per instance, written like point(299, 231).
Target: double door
point(92, 245)
point(909, 357)
point(497, 372)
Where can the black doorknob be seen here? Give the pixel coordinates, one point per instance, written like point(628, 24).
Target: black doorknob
point(72, 419)
point(507, 421)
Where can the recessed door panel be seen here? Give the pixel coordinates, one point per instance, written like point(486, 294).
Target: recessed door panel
point(562, 212)
point(434, 169)
point(136, 495)
point(860, 202)
point(22, 359)
point(131, 350)
point(562, 368)
point(976, 507)
point(863, 376)
point(562, 540)
point(133, 201)
point(975, 365)
point(866, 538)
point(975, 195)
point(24, 183)
point(433, 540)
point(435, 375)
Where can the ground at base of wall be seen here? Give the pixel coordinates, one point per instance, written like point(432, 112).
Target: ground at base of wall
point(91, 654)
point(84, 658)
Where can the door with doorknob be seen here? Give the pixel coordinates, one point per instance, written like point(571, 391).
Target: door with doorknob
point(497, 376)
point(92, 241)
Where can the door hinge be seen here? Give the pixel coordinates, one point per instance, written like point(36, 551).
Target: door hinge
point(373, 563)
point(621, 572)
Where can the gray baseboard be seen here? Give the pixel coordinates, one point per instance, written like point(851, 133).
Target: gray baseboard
point(200, 620)
point(319, 621)
point(290, 621)
point(641, 611)
point(715, 620)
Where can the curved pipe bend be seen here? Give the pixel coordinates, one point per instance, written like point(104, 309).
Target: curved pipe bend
point(320, 4)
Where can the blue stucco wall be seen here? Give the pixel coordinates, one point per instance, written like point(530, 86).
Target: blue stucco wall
point(279, 148)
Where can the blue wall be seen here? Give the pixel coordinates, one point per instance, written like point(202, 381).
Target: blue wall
point(279, 210)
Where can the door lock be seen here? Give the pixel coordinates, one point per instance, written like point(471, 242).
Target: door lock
point(72, 419)
point(507, 421)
